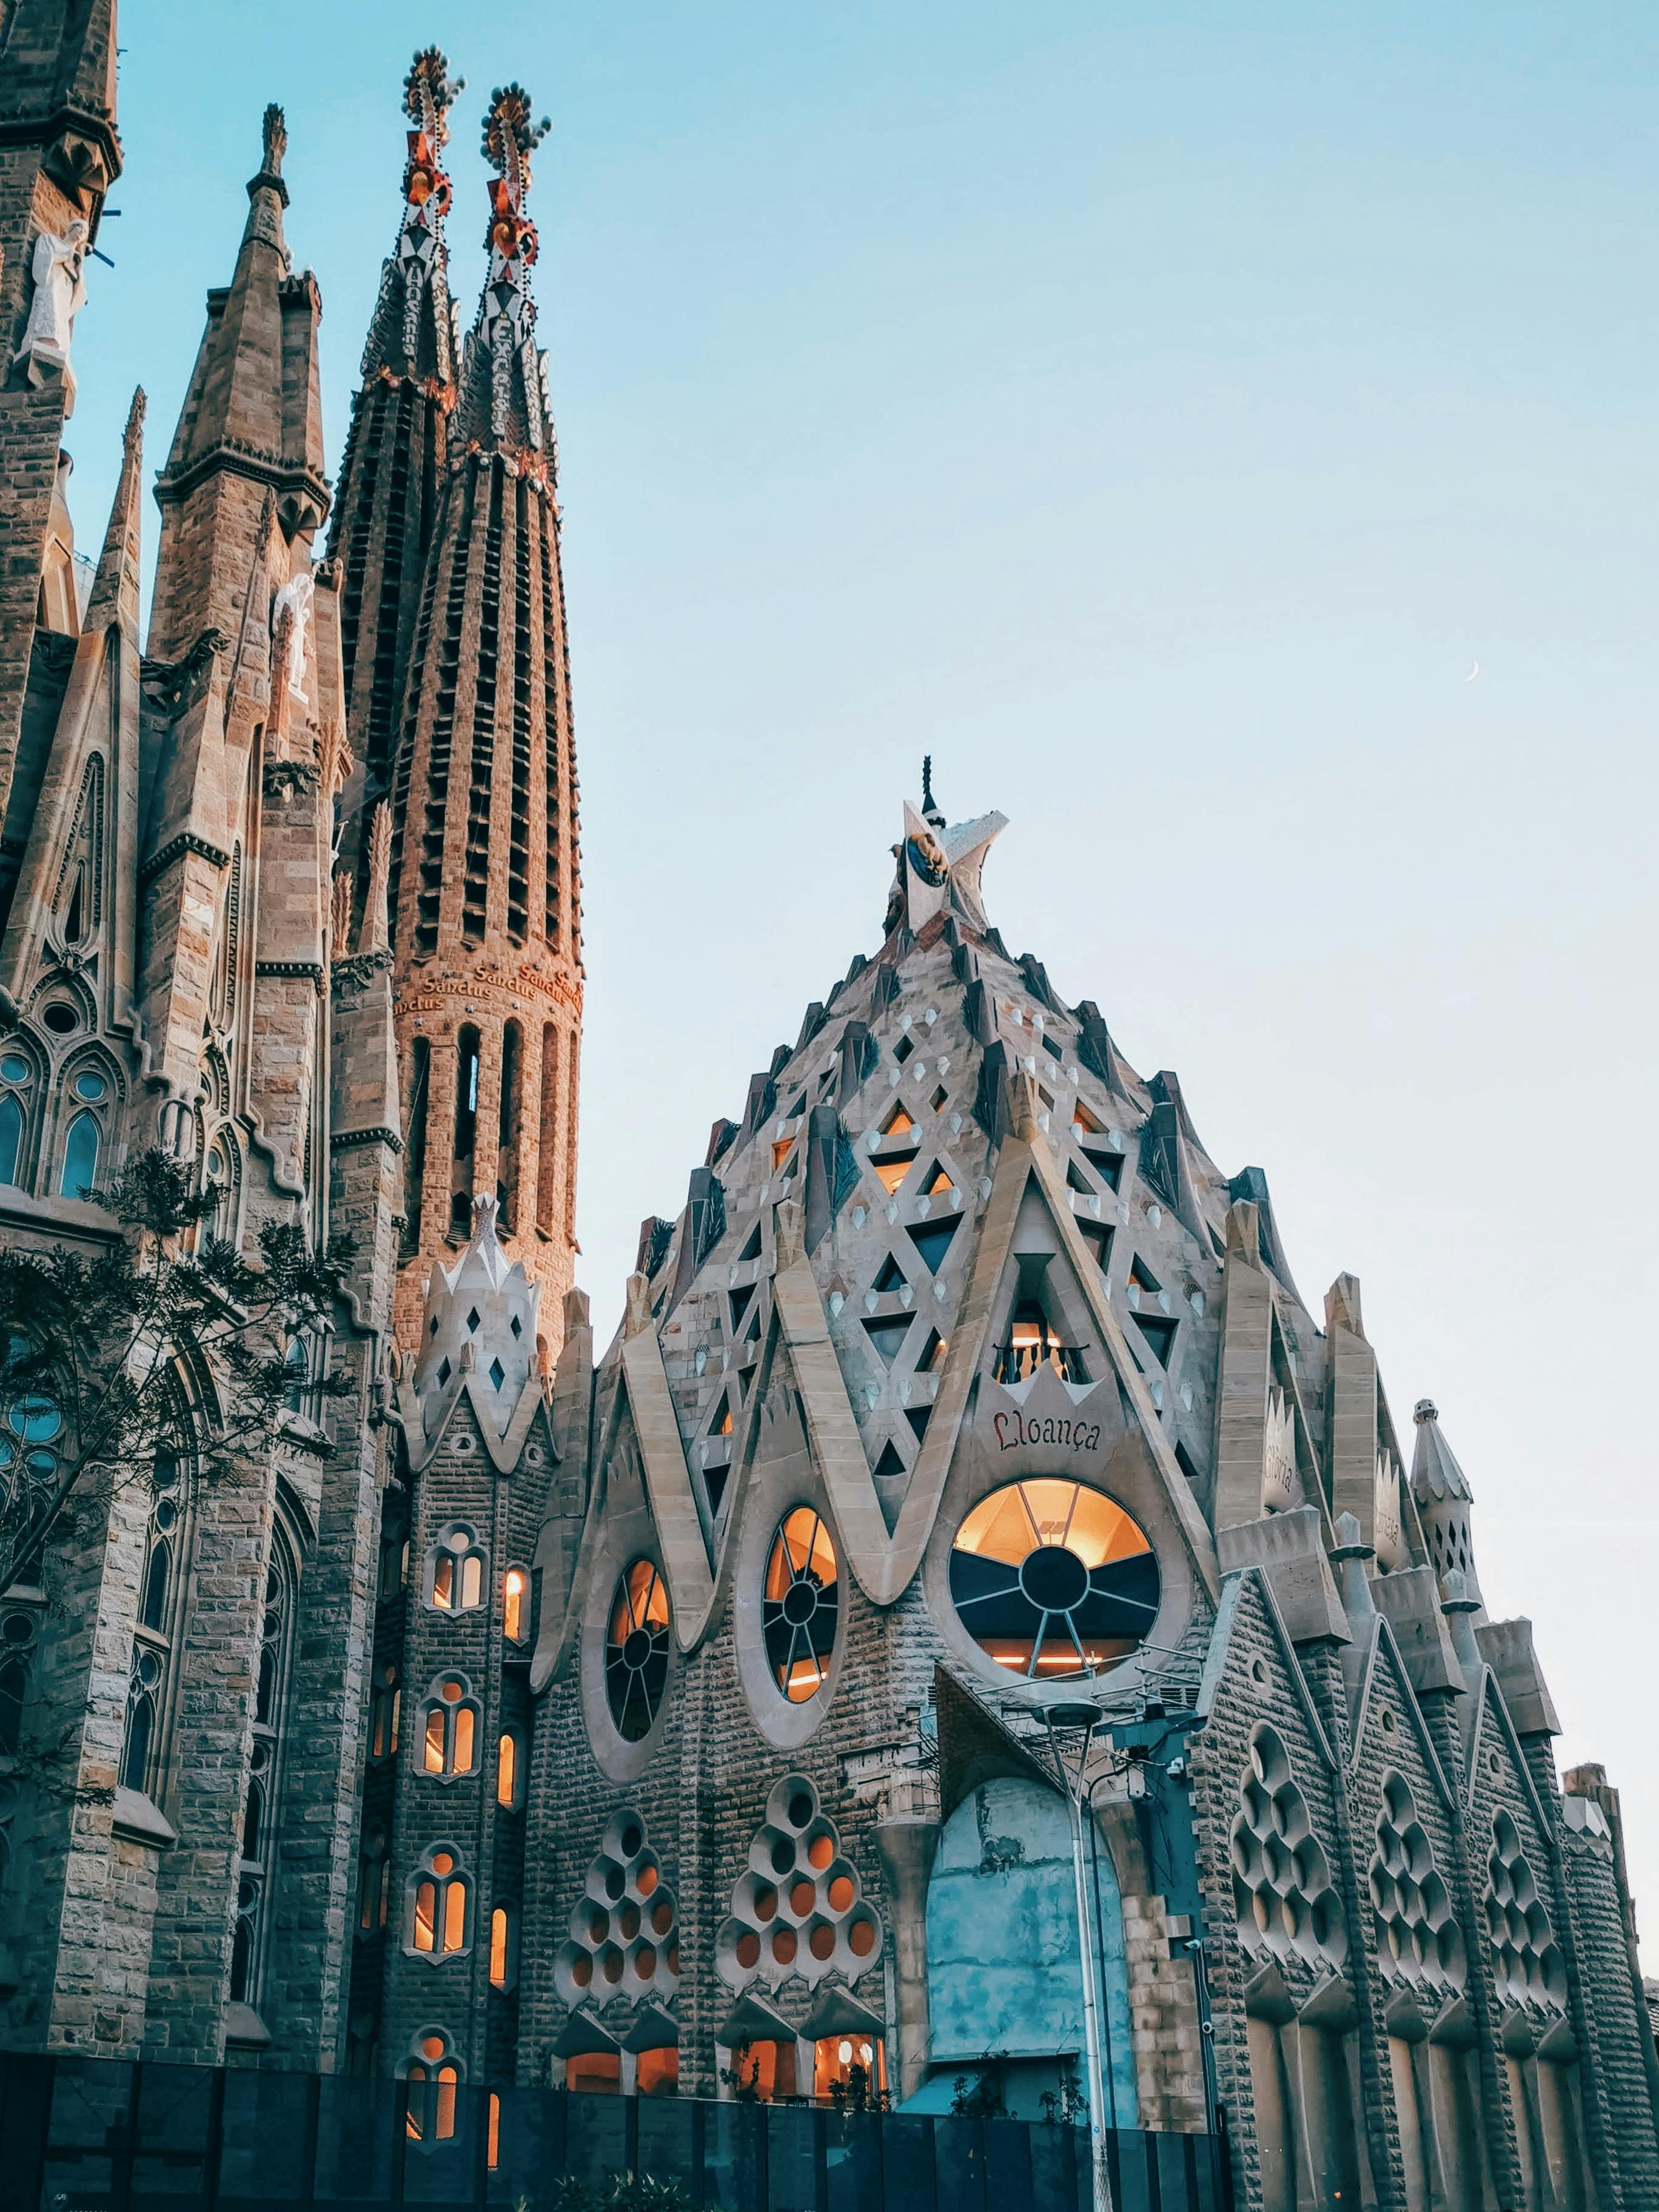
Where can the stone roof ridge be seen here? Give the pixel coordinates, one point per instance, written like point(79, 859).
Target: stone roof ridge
point(503, 395)
point(1435, 1471)
point(411, 331)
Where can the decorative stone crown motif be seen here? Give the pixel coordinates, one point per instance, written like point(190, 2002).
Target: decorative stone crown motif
point(480, 1318)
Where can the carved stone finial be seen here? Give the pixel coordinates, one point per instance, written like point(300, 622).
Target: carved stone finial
point(376, 935)
point(483, 1222)
point(340, 912)
point(275, 140)
point(429, 92)
point(1425, 1410)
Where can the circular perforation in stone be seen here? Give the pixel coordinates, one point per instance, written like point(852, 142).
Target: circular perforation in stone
point(1419, 1941)
point(624, 1928)
point(1526, 1962)
point(1287, 1902)
point(798, 1906)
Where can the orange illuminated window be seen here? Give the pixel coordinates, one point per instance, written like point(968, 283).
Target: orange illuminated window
point(890, 1174)
point(442, 1899)
point(658, 2073)
point(1049, 1577)
point(764, 2070)
point(501, 1948)
point(493, 2154)
point(515, 1605)
point(449, 1734)
point(781, 1152)
point(636, 1650)
point(849, 2069)
point(507, 1770)
point(455, 1571)
point(595, 2070)
point(898, 1124)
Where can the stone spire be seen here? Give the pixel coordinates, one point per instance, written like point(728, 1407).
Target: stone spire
point(62, 155)
point(486, 914)
point(1441, 1493)
point(394, 457)
point(252, 424)
point(940, 865)
point(115, 586)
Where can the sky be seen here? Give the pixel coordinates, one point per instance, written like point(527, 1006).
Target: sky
point(1156, 413)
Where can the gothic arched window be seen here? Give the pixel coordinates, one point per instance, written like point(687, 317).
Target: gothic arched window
point(384, 1710)
point(509, 1770)
point(433, 2073)
point(440, 1905)
point(451, 1725)
point(79, 1177)
point(455, 1570)
point(515, 1604)
point(11, 1135)
point(263, 1778)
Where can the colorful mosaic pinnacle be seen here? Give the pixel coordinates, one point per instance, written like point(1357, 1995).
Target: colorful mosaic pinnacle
point(700, 1713)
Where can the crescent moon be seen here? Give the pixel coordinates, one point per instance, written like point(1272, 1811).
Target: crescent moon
point(1473, 673)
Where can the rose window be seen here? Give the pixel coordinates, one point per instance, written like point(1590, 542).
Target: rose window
point(1050, 1576)
point(636, 1650)
point(800, 1605)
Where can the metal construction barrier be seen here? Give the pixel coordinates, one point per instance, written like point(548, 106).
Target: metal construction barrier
point(89, 2134)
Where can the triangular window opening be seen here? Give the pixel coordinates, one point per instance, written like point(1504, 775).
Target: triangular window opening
point(1184, 1462)
point(890, 1174)
point(939, 1184)
point(891, 1277)
point(933, 1354)
point(1159, 1333)
point(751, 1334)
point(781, 1152)
point(902, 1050)
point(721, 1423)
point(791, 1112)
point(1141, 1276)
point(1109, 1166)
point(898, 1124)
point(751, 1251)
point(940, 1098)
point(1052, 1045)
point(1099, 1242)
point(714, 1483)
point(932, 1240)
point(740, 1300)
point(1046, 1098)
point(889, 1464)
point(1076, 1180)
point(887, 1337)
point(918, 1417)
point(1084, 1122)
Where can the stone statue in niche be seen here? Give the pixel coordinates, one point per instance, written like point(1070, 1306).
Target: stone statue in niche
point(294, 600)
point(57, 267)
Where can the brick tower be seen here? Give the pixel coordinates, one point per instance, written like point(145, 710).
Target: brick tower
point(485, 905)
point(393, 469)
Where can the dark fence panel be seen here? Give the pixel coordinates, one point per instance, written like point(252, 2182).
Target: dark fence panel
point(80, 2135)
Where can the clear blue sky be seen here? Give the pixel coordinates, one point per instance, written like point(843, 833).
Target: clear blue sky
point(1153, 412)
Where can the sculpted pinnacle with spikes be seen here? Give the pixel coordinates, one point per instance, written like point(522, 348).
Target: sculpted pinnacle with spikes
point(429, 92)
point(506, 313)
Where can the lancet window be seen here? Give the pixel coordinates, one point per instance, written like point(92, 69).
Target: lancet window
point(259, 1812)
point(440, 1905)
point(455, 1570)
point(452, 1727)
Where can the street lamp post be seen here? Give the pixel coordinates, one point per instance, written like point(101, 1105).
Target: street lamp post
point(1079, 1720)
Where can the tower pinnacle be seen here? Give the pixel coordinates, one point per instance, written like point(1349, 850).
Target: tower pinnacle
point(502, 404)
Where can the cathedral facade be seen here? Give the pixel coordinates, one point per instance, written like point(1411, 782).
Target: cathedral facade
point(975, 1641)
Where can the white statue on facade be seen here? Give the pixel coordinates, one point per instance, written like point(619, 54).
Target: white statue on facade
point(294, 598)
point(57, 267)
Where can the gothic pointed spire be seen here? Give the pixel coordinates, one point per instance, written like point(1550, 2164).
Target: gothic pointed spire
point(115, 586)
point(253, 411)
point(1443, 1499)
point(502, 403)
point(411, 333)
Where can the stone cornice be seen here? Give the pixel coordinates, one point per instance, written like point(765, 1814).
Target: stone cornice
point(252, 461)
point(186, 841)
point(340, 1139)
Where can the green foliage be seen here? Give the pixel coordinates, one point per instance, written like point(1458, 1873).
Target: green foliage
point(168, 1340)
point(982, 2096)
point(622, 2192)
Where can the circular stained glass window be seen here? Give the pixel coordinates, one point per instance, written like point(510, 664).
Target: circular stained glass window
point(1051, 1578)
point(636, 1650)
point(59, 1018)
point(34, 1418)
point(14, 1067)
point(800, 1603)
point(90, 1085)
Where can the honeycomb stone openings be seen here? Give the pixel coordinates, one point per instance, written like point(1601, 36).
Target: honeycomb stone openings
point(1419, 1941)
point(624, 1928)
point(797, 1907)
point(1287, 1903)
point(1526, 1962)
